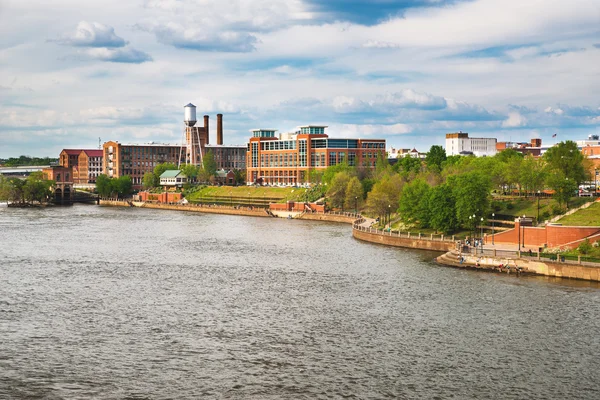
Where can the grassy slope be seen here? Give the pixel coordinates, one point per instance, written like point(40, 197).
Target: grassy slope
point(528, 206)
point(275, 194)
point(586, 217)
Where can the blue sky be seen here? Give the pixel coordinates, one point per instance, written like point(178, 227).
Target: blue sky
point(408, 71)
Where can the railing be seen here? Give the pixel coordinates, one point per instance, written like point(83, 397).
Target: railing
point(532, 255)
point(399, 234)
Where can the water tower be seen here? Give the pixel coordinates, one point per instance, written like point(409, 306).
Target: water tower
point(189, 115)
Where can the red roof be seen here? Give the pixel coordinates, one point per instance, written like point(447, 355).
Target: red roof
point(94, 153)
point(72, 152)
point(89, 152)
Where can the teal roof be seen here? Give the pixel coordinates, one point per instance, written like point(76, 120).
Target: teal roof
point(171, 173)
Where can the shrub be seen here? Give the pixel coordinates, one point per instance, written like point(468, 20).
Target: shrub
point(585, 247)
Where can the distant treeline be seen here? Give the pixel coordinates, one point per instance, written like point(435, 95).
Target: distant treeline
point(26, 160)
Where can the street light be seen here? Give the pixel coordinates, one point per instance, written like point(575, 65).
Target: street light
point(481, 237)
point(538, 218)
point(355, 203)
point(493, 231)
point(390, 216)
point(523, 233)
point(596, 182)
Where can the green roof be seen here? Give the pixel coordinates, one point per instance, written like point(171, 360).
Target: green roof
point(171, 173)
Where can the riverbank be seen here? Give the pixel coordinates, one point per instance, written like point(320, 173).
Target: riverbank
point(362, 231)
point(522, 265)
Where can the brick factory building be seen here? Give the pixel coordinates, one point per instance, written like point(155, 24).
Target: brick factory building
point(288, 160)
point(86, 164)
point(136, 159)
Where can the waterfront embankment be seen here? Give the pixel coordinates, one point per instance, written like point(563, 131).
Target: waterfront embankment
point(400, 239)
point(524, 265)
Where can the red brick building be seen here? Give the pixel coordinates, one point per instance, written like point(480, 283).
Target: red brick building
point(288, 160)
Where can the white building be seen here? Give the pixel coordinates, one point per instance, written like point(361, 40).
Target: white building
point(173, 178)
point(458, 144)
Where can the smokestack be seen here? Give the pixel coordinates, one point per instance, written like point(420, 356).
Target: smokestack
point(219, 128)
point(206, 128)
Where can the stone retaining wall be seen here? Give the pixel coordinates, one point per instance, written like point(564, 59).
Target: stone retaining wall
point(397, 241)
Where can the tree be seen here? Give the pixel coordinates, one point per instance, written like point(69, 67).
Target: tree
point(566, 158)
point(103, 185)
point(471, 192)
point(442, 209)
point(161, 168)
point(564, 188)
point(435, 157)
point(413, 204)
point(240, 176)
point(37, 188)
point(533, 174)
point(122, 186)
point(190, 171)
point(331, 171)
point(149, 180)
point(354, 194)
point(209, 164)
point(385, 194)
point(336, 191)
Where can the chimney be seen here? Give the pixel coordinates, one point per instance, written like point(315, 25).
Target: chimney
point(206, 128)
point(219, 128)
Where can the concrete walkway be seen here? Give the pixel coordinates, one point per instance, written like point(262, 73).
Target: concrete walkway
point(367, 223)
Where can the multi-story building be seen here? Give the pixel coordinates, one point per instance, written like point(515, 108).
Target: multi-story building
point(228, 157)
point(533, 148)
point(86, 164)
point(136, 159)
point(459, 143)
point(288, 160)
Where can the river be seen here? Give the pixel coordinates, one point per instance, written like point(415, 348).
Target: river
point(127, 303)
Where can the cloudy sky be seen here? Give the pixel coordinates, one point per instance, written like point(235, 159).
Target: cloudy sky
point(408, 71)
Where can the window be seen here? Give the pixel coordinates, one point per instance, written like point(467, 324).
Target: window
point(332, 158)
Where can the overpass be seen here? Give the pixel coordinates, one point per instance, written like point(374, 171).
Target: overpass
point(23, 170)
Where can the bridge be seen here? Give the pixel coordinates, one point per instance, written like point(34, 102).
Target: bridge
point(23, 170)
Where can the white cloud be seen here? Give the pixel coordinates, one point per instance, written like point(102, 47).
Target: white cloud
point(514, 120)
point(93, 34)
point(124, 55)
point(372, 130)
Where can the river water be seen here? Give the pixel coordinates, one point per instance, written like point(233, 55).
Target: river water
point(121, 303)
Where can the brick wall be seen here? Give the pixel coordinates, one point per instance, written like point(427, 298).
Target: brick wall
point(550, 235)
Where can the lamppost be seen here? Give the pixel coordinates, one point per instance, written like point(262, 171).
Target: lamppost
point(481, 237)
point(596, 182)
point(538, 218)
point(355, 204)
point(474, 225)
point(493, 231)
point(523, 232)
point(390, 216)
point(519, 234)
point(470, 231)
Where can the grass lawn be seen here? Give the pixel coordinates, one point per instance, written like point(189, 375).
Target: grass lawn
point(528, 206)
point(272, 194)
point(587, 217)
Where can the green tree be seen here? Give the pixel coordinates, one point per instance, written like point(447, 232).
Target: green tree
point(122, 186)
point(566, 158)
point(149, 180)
point(564, 188)
point(209, 164)
point(161, 168)
point(442, 209)
point(413, 204)
point(435, 158)
point(383, 198)
point(471, 193)
point(104, 186)
point(331, 171)
point(354, 194)
point(190, 171)
point(37, 188)
point(532, 174)
point(336, 191)
point(240, 176)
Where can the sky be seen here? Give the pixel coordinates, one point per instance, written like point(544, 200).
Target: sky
point(408, 71)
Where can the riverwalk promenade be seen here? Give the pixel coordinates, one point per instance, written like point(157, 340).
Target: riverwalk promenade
point(494, 258)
